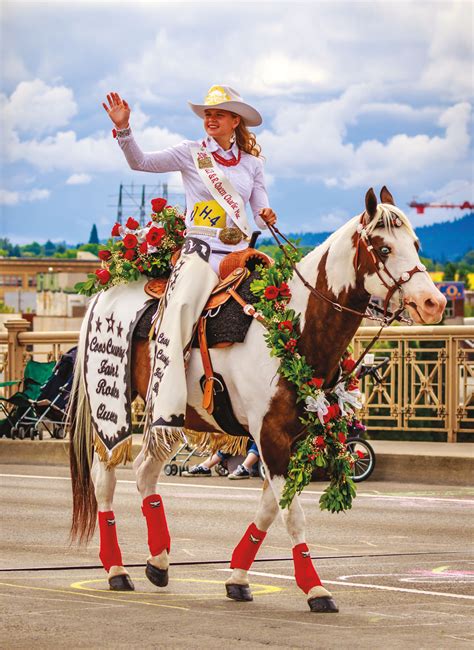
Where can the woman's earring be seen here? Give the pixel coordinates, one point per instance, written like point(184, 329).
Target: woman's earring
point(232, 138)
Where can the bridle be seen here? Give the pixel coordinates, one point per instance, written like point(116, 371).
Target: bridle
point(392, 284)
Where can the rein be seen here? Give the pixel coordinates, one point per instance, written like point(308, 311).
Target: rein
point(393, 285)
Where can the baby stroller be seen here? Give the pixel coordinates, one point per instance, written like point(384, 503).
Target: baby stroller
point(36, 373)
point(48, 411)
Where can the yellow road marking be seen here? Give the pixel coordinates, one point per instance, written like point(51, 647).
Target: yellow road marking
point(72, 593)
point(260, 591)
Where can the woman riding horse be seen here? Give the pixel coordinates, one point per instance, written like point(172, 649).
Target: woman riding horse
point(220, 175)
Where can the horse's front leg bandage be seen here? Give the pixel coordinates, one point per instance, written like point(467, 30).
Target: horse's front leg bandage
point(246, 550)
point(109, 553)
point(158, 534)
point(305, 574)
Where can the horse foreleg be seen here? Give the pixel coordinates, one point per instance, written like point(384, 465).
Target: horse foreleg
point(237, 586)
point(306, 576)
point(159, 541)
point(110, 555)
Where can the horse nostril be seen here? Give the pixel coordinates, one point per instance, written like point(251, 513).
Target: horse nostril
point(429, 304)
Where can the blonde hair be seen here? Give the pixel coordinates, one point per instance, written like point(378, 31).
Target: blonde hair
point(247, 141)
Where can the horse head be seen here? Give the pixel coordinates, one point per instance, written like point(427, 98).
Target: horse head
point(386, 254)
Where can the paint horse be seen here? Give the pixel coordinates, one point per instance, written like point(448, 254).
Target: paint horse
point(374, 254)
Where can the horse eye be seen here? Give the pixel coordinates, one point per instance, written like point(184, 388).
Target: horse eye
point(384, 250)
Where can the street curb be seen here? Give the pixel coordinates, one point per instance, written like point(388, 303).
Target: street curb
point(409, 468)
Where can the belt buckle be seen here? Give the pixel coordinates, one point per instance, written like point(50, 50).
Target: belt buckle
point(231, 236)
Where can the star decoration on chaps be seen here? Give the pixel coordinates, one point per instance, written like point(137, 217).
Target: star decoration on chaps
point(98, 324)
point(119, 330)
point(110, 323)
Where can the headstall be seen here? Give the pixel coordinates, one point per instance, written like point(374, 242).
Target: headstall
point(392, 285)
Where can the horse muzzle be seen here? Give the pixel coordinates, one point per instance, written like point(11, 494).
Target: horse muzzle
point(427, 308)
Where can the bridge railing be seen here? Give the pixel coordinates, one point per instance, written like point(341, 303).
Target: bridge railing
point(428, 383)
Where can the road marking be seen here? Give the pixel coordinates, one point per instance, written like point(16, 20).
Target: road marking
point(72, 593)
point(360, 495)
point(366, 586)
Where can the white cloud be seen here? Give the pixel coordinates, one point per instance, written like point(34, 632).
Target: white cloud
point(36, 107)
point(79, 179)
point(9, 197)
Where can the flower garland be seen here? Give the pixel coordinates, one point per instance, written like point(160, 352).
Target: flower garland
point(327, 416)
point(139, 251)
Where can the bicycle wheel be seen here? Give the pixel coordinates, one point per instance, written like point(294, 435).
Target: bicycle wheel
point(365, 462)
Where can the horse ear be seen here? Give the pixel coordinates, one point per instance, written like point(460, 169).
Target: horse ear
point(371, 203)
point(385, 196)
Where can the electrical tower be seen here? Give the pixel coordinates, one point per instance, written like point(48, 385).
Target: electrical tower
point(134, 200)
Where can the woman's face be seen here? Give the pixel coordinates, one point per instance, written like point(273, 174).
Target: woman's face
point(219, 123)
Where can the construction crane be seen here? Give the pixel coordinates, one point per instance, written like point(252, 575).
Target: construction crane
point(420, 207)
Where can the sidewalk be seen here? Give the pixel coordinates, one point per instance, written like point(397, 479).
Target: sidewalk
point(413, 462)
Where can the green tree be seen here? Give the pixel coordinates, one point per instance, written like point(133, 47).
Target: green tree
point(94, 236)
point(15, 251)
point(32, 250)
point(450, 270)
point(91, 248)
point(49, 248)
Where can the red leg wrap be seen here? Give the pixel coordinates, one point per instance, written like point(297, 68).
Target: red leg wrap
point(109, 552)
point(246, 550)
point(158, 533)
point(305, 573)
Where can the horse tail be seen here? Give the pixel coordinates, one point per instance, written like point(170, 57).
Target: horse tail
point(81, 450)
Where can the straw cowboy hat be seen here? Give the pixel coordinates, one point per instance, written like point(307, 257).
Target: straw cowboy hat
point(228, 99)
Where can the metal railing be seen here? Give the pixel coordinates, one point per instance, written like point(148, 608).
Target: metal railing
point(428, 383)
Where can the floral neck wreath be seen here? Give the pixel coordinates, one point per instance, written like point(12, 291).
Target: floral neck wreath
point(327, 414)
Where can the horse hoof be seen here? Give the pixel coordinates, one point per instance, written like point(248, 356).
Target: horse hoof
point(121, 583)
point(159, 577)
point(323, 605)
point(239, 592)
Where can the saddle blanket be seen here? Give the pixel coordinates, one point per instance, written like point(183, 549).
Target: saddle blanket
point(107, 363)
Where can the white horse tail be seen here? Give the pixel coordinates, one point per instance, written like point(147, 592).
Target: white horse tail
point(81, 449)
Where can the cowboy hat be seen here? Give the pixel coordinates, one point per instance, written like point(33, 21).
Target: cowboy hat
point(228, 99)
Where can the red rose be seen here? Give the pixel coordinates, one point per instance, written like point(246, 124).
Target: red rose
point(319, 441)
point(342, 437)
point(311, 457)
point(132, 223)
point(360, 453)
point(157, 205)
point(290, 345)
point(103, 275)
point(333, 412)
point(154, 236)
point(104, 255)
point(348, 364)
point(285, 325)
point(140, 268)
point(284, 290)
point(271, 292)
point(130, 254)
point(143, 248)
point(130, 241)
point(116, 230)
point(316, 382)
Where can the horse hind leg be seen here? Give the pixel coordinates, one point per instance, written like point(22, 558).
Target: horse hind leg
point(110, 554)
point(237, 586)
point(159, 542)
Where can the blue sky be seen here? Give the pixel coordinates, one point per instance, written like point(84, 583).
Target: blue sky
point(353, 94)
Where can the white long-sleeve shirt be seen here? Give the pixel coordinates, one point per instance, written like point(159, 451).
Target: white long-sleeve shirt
point(247, 177)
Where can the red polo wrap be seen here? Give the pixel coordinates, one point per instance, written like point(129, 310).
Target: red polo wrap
point(305, 574)
point(109, 553)
point(158, 533)
point(246, 550)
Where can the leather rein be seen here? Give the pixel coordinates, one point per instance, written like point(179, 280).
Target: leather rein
point(392, 284)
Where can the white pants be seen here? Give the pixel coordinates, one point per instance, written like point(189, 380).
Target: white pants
point(188, 289)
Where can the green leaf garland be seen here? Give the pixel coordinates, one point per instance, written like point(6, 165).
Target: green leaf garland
point(325, 443)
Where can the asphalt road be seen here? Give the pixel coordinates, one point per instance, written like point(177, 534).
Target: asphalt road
point(400, 567)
